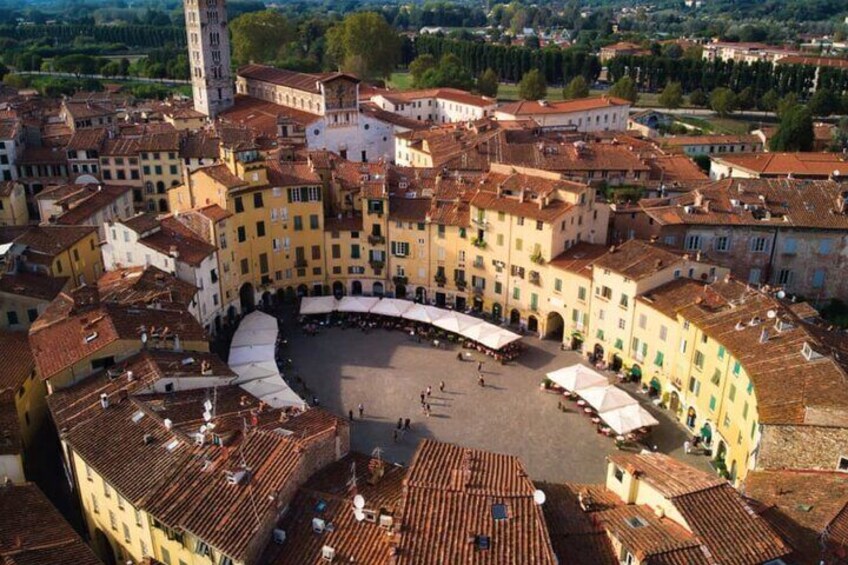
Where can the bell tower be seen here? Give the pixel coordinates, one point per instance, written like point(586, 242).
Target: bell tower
point(209, 55)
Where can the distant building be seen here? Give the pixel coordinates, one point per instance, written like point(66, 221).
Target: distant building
point(809, 166)
point(620, 49)
point(601, 113)
point(745, 52)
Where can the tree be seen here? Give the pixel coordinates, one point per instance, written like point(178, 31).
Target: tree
point(672, 96)
point(77, 64)
point(577, 88)
point(824, 102)
point(795, 132)
point(698, 98)
point(746, 98)
point(364, 44)
point(449, 73)
point(723, 101)
point(786, 103)
point(768, 101)
point(15, 81)
point(532, 86)
point(672, 51)
point(259, 37)
point(419, 66)
point(625, 88)
point(487, 83)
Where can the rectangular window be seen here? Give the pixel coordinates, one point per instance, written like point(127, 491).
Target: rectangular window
point(242, 234)
point(95, 506)
point(313, 222)
point(260, 229)
point(722, 243)
point(498, 287)
point(790, 246)
point(516, 293)
point(558, 285)
point(113, 521)
point(354, 251)
point(581, 294)
point(336, 251)
point(126, 529)
point(699, 360)
point(298, 223)
point(693, 242)
point(12, 317)
point(818, 278)
point(737, 368)
point(245, 266)
point(825, 246)
point(759, 245)
point(731, 394)
point(257, 200)
point(712, 403)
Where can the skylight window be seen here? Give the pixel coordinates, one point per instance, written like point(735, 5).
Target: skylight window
point(499, 511)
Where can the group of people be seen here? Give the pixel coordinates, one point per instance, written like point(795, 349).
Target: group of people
point(507, 353)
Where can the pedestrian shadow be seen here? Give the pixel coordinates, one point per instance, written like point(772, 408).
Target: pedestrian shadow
point(495, 387)
point(440, 416)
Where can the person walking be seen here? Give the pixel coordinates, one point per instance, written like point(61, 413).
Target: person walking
point(350, 415)
point(400, 424)
point(686, 447)
point(422, 397)
point(480, 380)
point(427, 410)
point(361, 410)
point(407, 425)
point(429, 391)
point(479, 366)
point(459, 355)
point(395, 435)
point(441, 386)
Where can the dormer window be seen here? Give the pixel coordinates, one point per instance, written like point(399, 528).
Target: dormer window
point(809, 353)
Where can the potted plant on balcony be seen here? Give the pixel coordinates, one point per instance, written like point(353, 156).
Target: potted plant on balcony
point(399, 280)
point(460, 284)
point(376, 264)
point(479, 243)
point(537, 258)
point(441, 279)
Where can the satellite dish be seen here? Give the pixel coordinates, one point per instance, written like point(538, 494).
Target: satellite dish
point(781, 294)
point(359, 502)
point(208, 405)
point(359, 515)
point(771, 314)
point(539, 497)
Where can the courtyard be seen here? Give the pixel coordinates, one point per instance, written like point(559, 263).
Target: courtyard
point(386, 371)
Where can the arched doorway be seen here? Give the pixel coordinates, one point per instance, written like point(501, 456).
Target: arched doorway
point(706, 433)
point(554, 326)
point(497, 312)
point(577, 341)
point(733, 471)
point(356, 288)
point(231, 313)
point(674, 402)
point(691, 418)
point(400, 291)
point(317, 290)
point(460, 304)
point(302, 290)
point(616, 363)
point(103, 547)
point(477, 304)
point(377, 289)
point(532, 324)
point(597, 353)
point(514, 317)
point(266, 299)
point(290, 294)
point(247, 297)
point(163, 205)
point(420, 294)
point(338, 289)
point(279, 297)
point(217, 324)
point(441, 299)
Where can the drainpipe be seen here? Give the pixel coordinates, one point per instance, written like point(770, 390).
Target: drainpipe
point(770, 264)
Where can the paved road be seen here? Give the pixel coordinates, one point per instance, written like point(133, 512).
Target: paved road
point(386, 371)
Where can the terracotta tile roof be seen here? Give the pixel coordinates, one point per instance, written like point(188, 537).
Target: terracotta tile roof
point(577, 538)
point(300, 81)
point(452, 94)
point(814, 61)
point(450, 494)
point(215, 212)
point(199, 145)
point(6, 187)
point(789, 388)
point(291, 173)
point(144, 286)
point(262, 116)
point(52, 240)
point(142, 223)
point(672, 296)
point(160, 141)
point(782, 203)
point(34, 155)
point(579, 258)
point(390, 117)
point(87, 139)
point(358, 542)
point(221, 174)
point(574, 158)
point(654, 539)
point(345, 223)
point(531, 107)
point(409, 209)
point(675, 168)
point(800, 505)
point(65, 334)
point(8, 129)
point(637, 259)
point(83, 110)
point(174, 236)
point(16, 360)
point(84, 204)
point(686, 140)
point(670, 477)
point(814, 165)
point(73, 406)
point(33, 532)
point(120, 147)
point(32, 285)
point(540, 202)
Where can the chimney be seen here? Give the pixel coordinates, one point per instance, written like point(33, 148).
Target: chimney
point(104, 401)
point(85, 297)
point(173, 252)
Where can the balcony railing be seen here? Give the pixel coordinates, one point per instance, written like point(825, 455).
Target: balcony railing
point(300, 263)
point(376, 240)
point(440, 280)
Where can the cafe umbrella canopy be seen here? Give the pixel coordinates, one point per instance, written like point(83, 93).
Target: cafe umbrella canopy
point(577, 377)
point(628, 418)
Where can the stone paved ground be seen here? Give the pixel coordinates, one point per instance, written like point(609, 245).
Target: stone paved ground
point(386, 371)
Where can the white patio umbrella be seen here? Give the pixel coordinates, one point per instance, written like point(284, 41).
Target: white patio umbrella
point(392, 307)
point(478, 332)
point(273, 391)
point(577, 377)
point(606, 398)
point(254, 337)
point(499, 339)
point(318, 305)
point(256, 370)
point(628, 418)
point(245, 354)
point(357, 303)
point(422, 313)
point(457, 322)
point(257, 321)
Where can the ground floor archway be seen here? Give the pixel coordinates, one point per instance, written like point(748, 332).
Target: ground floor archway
point(356, 288)
point(616, 363)
point(460, 304)
point(317, 289)
point(577, 340)
point(266, 299)
point(291, 295)
point(302, 290)
point(441, 299)
point(597, 353)
point(247, 296)
point(104, 548)
point(338, 289)
point(377, 289)
point(497, 312)
point(420, 294)
point(554, 326)
point(400, 291)
point(691, 417)
point(532, 324)
point(514, 317)
point(674, 402)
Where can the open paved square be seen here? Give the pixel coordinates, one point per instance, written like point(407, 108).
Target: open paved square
point(386, 371)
